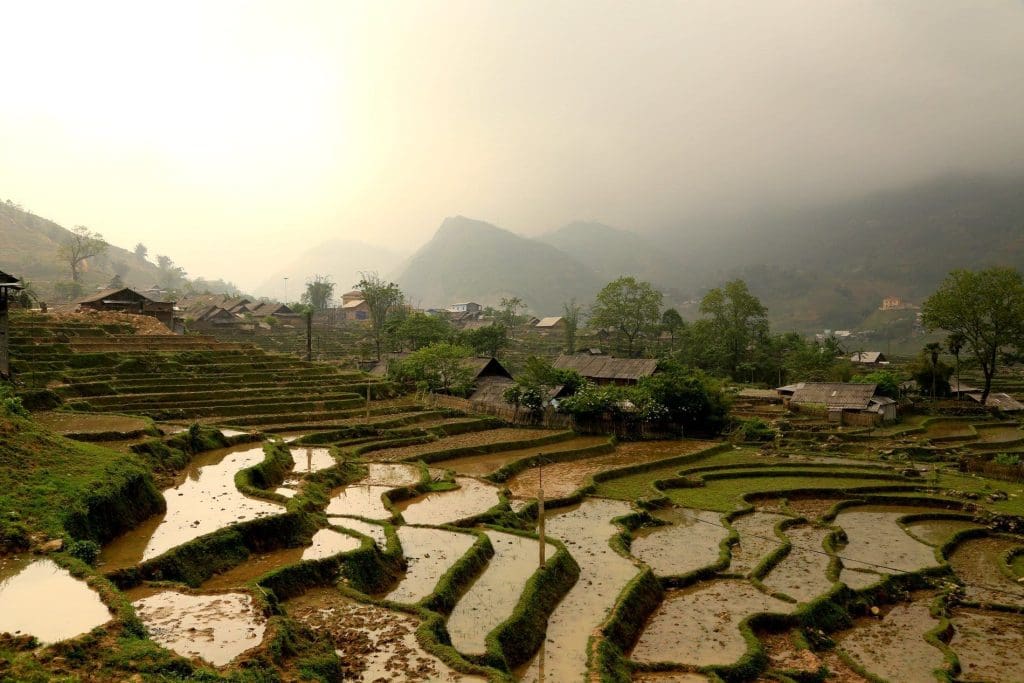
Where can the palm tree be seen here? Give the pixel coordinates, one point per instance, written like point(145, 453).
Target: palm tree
point(955, 344)
point(935, 348)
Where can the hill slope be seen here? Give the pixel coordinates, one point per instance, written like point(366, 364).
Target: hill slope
point(473, 260)
point(613, 252)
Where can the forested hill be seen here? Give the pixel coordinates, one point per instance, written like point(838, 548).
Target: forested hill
point(29, 247)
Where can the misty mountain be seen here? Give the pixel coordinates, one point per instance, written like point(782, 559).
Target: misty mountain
point(613, 252)
point(340, 260)
point(469, 260)
point(829, 266)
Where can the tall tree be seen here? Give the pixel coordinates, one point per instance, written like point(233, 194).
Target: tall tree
point(571, 312)
point(986, 308)
point(510, 311)
point(170, 275)
point(672, 322)
point(318, 292)
point(141, 251)
point(486, 341)
point(738, 319)
point(383, 299)
point(417, 330)
point(81, 245)
point(627, 306)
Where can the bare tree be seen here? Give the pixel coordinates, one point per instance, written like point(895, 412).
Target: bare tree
point(81, 245)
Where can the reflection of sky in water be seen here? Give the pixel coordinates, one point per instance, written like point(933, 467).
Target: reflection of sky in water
point(42, 599)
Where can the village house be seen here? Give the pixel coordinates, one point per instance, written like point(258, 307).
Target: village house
point(843, 403)
point(8, 284)
point(545, 326)
point(470, 307)
point(869, 358)
point(126, 300)
point(606, 369)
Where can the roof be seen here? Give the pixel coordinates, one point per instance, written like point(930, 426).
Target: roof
point(354, 292)
point(491, 390)
point(353, 304)
point(481, 367)
point(759, 394)
point(868, 357)
point(958, 387)
point(110, 293)
point(550, 321)
point(1004, 402)
point(835, 395)
point(608, 368)
point(9, 281)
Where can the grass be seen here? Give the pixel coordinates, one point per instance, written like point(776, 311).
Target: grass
point(638, 485)
point(724, 495)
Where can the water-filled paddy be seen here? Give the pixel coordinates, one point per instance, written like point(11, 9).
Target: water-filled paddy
point(309, 459)
point(700, 625)
point(359, 500)
point(490, 437)
point(757, 539)
point(495, 593)
point(988, 644)
point(373, 643)
point(878, 544)
point(204, 499)
point(976, 563)
point(374, 531)
point(482, 465)
point(39, 598)
point(688, 542)
point(429, 553)
point(803, 573)
point(893, 646)
point(216, 628)
point(473, 497)
point(938, 531)
point(585, 529)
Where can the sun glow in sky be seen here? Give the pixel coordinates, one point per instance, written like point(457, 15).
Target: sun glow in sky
point(261, 128)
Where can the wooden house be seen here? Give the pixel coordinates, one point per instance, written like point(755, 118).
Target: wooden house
point(8, 285)
point(606, 369)
point(126, 300)
point(842, 402)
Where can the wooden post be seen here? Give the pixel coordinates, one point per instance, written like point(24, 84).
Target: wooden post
point(540, 507)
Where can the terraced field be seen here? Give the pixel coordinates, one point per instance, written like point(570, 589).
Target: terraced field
point(385, 541)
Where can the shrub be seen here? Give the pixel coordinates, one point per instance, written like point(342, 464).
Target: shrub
point(86, 551)
point(754, 429)
point(11, 404)
point(1010, 459)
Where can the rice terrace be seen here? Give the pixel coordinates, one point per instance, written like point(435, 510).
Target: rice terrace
point(228, 512)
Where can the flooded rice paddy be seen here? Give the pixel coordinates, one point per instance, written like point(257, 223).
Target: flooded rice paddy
point(757, 539)
point(216, 628)
point(699, 626)
point(803, 573)
point(977, 563)
point(939, 531)
point(374, 531)
point(373, 643)
point(586, 530)
point(482, 465)
point(877, 543)
point(988, 645)
point(892, 646)
point(562, 478)
point(429, 553)
point(495, 593)
point(39, 598)
point(690, 540)
point(489, 438)
point(203, 500)
point(472, 497)
point(309, 459)
point(359, 500)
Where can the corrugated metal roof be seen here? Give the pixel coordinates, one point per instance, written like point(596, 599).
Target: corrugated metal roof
point(835, 395)
point(550, 321)
point(868, 357)
point(608, 368)
point(108, 293)
point(1004, 402)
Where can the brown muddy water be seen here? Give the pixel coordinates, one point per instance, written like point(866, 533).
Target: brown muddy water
point(482, 465)
point(358, 500)
point(757, 539)
point(699, 626)
point(809, 508)
point(938, 531)
point(309, 459)
point(39, 598)
point(562, 478)
point(976, 563)
point(988, 644)
point(429, 553)
point(495, 593)
point(1000, 434)
point(669, 677)
point(473, 497)
point(373, 643)
point(374, 531)
point(204, 499)
point(216, 628)
point(585, 529)
point(877, 543)
point(803, 573)
point(893, 646)
point(689, 541)
point(391, 474)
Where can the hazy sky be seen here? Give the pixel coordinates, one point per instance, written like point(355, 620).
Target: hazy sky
point(233, 134)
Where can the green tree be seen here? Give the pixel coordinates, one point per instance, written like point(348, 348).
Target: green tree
point(81, 245)
point(509, 315)
point(672, 322)
point(986, 308)
point(417, 330)
point(627, 306)
point(171, 276)
point(141, 251)
point(738, 321)
point(888, 383)
point(690, 399)
point(318, 292)
point(930, 374)
point(383, 299)
point(438, 368)
point(571, 312)
point(487, 340)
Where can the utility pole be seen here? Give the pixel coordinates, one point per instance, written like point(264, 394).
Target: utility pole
point(540, 506)
point(285, 290)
